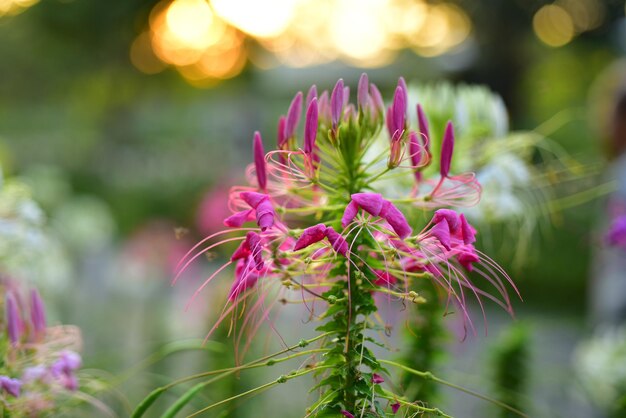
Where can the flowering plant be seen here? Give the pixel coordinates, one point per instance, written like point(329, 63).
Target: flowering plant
point(312, 223)
point(39, 363)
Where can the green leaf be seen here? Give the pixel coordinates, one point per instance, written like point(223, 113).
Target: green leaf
point(147, 402)
point(184, 400)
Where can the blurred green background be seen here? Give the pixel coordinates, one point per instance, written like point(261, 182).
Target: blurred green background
point(121, 121)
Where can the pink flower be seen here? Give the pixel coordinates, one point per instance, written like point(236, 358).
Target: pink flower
point(362, 96)
point(395, 407)
point(347, 414)
point(10, 386)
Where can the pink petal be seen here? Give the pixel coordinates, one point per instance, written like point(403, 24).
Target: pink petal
point(238, 219)
point(310, 236)
point(253, 198)
point(441, 231)
point(450, 216)
point(350, 213)
point(338, 242)
point(469, 233)
point(372, 203)
point(396, 219)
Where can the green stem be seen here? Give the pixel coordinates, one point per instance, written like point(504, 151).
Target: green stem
point(281, 379)
point(430, 376)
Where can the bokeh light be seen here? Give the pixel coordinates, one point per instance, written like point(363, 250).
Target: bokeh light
point(14, 7)
point(553, 25)
point(206, 39)
point(263, 19)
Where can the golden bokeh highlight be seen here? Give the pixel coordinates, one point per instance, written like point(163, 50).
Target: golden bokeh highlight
point(553, 25)
point(189, 35)
point(206, 39)
point(264, 19)
point(142, 56)
point(15, 7)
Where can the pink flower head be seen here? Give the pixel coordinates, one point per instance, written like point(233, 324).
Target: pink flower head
point(264, 210)
point(37, 315)
point(339, 243)
point(293, 116)
point(312, 94)
point(447, 147)
point(310, 236)
point(310, 127)
point(259, 160)
point(14, 322)
point(336, 103)
point(423, 127)
point(377, 379)
point(10, 386)
point(347, 414)
point(395, 407)
point(362, 95)
point(374, 204)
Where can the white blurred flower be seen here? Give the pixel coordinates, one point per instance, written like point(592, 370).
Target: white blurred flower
point(600, 364)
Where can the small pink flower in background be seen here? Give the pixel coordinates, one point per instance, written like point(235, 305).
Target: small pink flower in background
point(10, 386)
point(212, 209)
point(616, 236)
point(347, 414)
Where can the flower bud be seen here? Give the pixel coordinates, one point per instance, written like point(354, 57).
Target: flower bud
point(293, 116)
point(447, 147)
point(37, 315)
point(362, 95)
point(259, 160)
point(422, 123)
point(14, 322)
point(378, 105)
point(310, 127)
point(281, 138)
point(312, 94)
point(336, 103)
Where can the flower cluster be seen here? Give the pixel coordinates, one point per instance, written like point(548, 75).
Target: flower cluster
point(40, 363)
point(312, 221)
